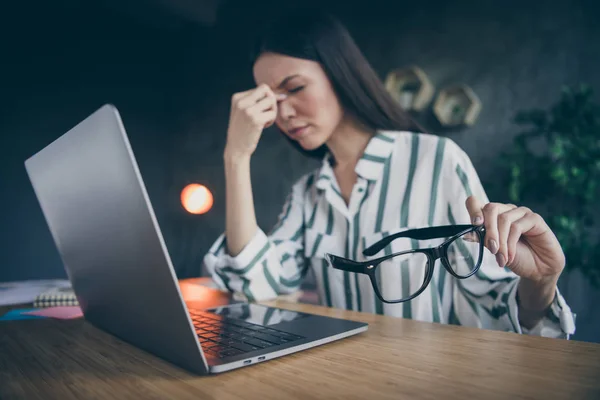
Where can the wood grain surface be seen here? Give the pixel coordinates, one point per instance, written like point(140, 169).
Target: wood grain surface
point(395, 359)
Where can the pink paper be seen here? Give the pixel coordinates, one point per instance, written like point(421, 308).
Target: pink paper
point(62, 312)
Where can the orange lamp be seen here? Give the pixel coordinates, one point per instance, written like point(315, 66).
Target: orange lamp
point(196, 198)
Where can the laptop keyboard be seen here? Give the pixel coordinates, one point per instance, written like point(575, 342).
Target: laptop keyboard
point(222, 337)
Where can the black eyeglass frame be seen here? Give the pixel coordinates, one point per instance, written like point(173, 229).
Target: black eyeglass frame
point(433, 254)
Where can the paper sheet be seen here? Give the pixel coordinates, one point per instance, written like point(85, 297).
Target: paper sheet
point(22, 292)
point(62, 312)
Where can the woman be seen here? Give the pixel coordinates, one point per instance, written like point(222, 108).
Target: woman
point(378, 176)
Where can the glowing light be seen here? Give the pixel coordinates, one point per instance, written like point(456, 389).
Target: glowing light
point(196, 198)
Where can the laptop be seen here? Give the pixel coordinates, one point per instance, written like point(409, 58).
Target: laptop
point(94, 200)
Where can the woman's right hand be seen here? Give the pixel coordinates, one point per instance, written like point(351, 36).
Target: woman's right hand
point(251, 112)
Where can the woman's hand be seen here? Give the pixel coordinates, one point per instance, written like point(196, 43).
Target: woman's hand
point(523, 242)
point(520, 239)
point(251, 112)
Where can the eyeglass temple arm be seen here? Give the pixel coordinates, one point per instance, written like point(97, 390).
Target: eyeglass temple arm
point(345, 264)
point(420, 234)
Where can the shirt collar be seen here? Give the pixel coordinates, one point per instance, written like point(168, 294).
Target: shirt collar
point(378, 151)
point(325, 177)
point(370, 166)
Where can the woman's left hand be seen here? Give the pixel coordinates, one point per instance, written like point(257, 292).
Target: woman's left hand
point(520, 239)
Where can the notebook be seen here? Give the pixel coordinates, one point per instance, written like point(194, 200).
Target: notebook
point(56, 297)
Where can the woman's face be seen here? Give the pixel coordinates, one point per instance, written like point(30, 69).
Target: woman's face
point(311, 111)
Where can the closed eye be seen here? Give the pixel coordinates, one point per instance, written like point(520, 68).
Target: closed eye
point(296, 89)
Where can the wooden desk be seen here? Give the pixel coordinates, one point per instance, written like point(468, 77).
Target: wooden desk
point(395, 359)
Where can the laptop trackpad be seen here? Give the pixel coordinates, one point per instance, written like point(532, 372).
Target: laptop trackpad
point(257, 314)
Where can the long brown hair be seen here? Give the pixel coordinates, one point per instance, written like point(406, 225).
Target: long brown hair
point(318, 36)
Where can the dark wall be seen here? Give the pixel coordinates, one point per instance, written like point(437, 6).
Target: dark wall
point(60, 62)
point(173, 87)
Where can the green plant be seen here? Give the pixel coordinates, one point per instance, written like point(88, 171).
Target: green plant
point(553, 167)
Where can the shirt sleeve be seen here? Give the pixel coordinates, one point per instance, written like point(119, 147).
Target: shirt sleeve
point(489, 298)
point(270, 264)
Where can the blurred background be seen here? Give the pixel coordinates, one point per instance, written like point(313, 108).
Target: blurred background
point(171, 66)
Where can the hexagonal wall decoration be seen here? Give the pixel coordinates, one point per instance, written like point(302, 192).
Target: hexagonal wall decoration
point(410, 87)
point(456, 105)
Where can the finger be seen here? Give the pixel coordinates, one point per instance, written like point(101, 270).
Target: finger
point(259, 93)
point(265, 104)
point(240, 95)
point(267, 118)
point(271, 121)
point(530, 224)
point(474, 208)
point(237, 97)
point(505, 221)
point(490, 218)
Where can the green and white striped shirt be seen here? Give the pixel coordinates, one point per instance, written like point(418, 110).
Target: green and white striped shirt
point(405, 180)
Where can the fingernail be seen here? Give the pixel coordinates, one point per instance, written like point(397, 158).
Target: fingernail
point(501, 260)
point(478, 220)
point(281, 96)
point(493, 246)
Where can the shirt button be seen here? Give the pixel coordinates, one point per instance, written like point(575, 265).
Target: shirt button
point(360, 190)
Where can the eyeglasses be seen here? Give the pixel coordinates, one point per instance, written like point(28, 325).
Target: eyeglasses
point(393, 276)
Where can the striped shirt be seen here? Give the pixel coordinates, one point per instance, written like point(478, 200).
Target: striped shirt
point(404, 180)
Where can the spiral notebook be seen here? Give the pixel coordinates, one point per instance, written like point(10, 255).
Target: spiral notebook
point(56, 297)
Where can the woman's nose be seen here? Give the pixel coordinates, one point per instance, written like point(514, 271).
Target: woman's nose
point(286, 110)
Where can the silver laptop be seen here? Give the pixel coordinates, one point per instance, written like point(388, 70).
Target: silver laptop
point(95, 203)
